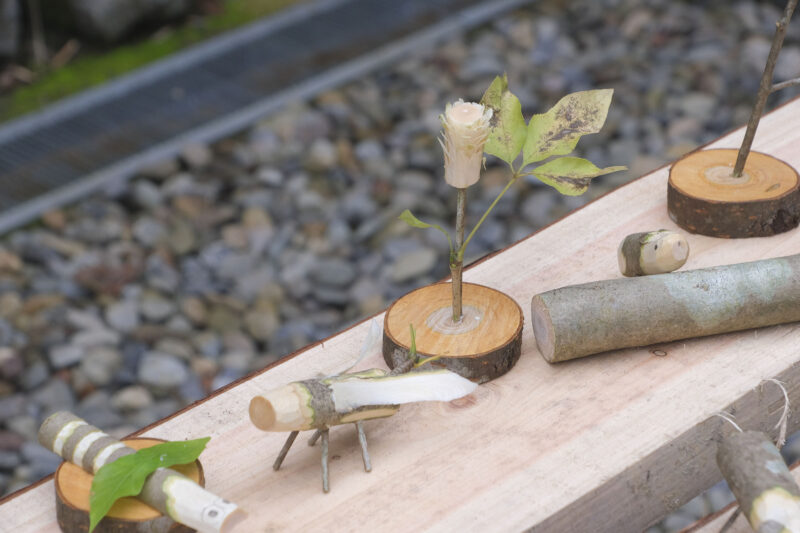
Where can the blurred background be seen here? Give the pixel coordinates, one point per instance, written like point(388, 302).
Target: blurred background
point(136, 300)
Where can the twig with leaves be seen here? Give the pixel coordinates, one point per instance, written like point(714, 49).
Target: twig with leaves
point(496, 126)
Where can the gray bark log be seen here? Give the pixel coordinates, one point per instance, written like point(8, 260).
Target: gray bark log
point(581, 320)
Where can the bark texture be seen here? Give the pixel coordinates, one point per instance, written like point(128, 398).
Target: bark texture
point(580, 320)
point(479, 368)
point(756, 473)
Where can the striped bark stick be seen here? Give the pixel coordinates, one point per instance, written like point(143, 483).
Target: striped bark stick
point(170, 492)
point(765, 489)
point(580, 320)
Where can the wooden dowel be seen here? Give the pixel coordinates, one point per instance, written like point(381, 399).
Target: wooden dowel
point(325, 483)
point(170, 492)
point(580, 320)
point(759, 478)
point(286, 446)
point(362, 439)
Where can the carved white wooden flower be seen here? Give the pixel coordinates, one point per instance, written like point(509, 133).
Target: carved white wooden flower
point(465, 130)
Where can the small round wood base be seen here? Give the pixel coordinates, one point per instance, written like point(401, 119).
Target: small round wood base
point(127, 515)
point(484, 345)
point(704, 198)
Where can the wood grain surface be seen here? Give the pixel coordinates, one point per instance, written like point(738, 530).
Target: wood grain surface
point(605, 443)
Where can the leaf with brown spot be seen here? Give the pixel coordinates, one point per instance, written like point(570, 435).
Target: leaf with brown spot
point(570, 175)
point(508, 125)
point(557, 132)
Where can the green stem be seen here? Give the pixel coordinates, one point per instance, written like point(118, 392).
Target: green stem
point(463, 247)
point(457, 265)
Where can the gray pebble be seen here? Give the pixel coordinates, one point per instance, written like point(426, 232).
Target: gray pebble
point(161, 371)
point(133, 398)
point(123, 316)
point(65, 356)
point(156, 308)
point(149, 231)
point(413, 265)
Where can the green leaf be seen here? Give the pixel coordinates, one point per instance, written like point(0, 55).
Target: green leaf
point(557, 132)
point(126, 476)
point(494, 93)
point(570, 175)
point(508, 131)
point(407, 217)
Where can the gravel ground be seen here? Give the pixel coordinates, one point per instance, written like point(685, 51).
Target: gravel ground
point(127, 307)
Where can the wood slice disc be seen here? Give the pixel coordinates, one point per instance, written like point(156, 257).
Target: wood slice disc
point(704, 198)
point(127, 515)
point(484, 345)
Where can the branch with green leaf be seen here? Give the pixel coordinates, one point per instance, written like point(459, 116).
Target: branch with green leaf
point(498, 120)
point(121, 471)
point(127, 475)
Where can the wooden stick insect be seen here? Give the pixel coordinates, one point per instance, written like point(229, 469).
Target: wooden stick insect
point(352, 398)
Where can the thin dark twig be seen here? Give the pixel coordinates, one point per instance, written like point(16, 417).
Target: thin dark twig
point(785, 84)
point(764, 89)
point(727, 525)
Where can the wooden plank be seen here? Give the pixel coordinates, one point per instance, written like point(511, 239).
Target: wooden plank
point(713, 523)
point(606, 443)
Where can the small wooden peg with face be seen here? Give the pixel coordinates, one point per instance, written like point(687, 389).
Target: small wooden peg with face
point(652, 252)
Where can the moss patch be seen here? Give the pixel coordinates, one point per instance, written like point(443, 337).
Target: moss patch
point(94, 68)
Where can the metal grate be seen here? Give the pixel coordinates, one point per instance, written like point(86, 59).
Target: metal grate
point(89, 133)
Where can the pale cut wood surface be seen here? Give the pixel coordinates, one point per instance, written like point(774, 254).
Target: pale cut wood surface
point(484, 324)
point(606, 443)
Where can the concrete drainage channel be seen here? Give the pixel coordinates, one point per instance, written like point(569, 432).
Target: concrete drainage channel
point(98, 139)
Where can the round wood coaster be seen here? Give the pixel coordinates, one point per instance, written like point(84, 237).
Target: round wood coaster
point(484, 345)
point(127, 515)
point(703, 197)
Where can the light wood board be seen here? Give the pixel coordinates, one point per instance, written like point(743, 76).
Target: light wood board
point(606, 443)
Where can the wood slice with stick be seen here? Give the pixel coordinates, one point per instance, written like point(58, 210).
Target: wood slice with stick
point(484, 345)
point(704, 197)
point(127, 515)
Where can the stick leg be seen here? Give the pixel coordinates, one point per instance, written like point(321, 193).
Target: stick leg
point(325, 485)
point(288, 444)
point(362, 439)
point(313, 440)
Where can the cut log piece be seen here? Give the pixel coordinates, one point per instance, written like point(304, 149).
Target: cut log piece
point(581, 320)
point(703, 197)
point(127, 515)
point(484, 345)
point(167, 490)
point(756, 473)
point(652, 252)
